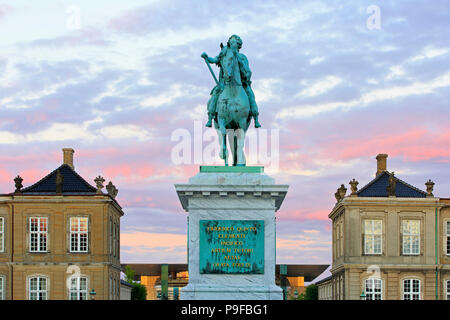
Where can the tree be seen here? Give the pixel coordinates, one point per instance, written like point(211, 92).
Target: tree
point(312, 292)
point(139, 291)
point(129, 274)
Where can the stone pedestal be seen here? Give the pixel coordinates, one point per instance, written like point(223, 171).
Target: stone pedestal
point(236, 197)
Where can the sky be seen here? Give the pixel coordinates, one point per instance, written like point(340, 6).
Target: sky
point(336, 83)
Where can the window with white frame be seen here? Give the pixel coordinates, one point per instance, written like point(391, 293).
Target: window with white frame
point(79, 234)
point(78, 288)
point(2, 288)
point(373, 236)
point(447, 290)
point(2, 234)
point(411, 289)
point(38, 234)
point(447, 234)
point(373, 289)
point(411, 237)
point(37, 288)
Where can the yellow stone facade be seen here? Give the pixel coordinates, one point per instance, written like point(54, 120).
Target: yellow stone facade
point(357, 266)
point(100, 265)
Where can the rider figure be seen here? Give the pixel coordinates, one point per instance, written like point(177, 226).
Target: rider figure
point(234, 43)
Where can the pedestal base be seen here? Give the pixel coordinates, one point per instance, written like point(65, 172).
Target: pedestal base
point(209, 292)
point(234, 194)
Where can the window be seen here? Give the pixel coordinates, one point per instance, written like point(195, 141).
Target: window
point(411, 237)
point(38, 234)
point(78, 288)
point(411, 289)
point(110, 287)
point(373, 289)
point(2, 288)
point(114, 239)
point(342, 238)
point(447, 290)
point(338, 239)
point(118, 289)
point(79, 234)
point(37, 288)
point(110, 237)
point(447, 233)
point(372, 236)
point(117, 241)
point(114, 289)
point(2, 234)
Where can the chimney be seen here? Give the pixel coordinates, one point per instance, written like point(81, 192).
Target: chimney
point(381, 163)
point(68, 157)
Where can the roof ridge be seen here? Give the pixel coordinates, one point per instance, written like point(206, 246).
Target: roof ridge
point(40, 180)
point(411, 186)
point(87, 184)
point(372, 181)
point(386, 172)
point(82, 179)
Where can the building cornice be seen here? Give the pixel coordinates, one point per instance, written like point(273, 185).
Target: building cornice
point(351, 201)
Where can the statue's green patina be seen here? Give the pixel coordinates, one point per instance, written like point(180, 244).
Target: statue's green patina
point(232, 103)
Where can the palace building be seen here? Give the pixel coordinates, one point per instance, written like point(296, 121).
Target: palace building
point(391, 241)
point(60, 238)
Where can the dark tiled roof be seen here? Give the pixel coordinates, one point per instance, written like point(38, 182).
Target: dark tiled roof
point(377, 188)
point(73, 183)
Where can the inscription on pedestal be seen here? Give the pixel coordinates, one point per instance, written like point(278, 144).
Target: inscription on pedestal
point(231, 246)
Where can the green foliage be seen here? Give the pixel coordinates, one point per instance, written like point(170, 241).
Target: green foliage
point(312, 292)
point(139, 291)
point(129, 274)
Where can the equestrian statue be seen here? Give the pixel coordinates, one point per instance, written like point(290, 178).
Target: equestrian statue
point(232, 103)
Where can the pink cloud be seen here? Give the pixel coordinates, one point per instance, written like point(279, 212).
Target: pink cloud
point(138, 201)
point(118, 170)
point(152, 240)
point(296, 214)
point(36, 117)
point(31, 176)
point(5, 176)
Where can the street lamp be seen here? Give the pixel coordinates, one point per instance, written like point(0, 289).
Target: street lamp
point(362, 296)
point(92, 293)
